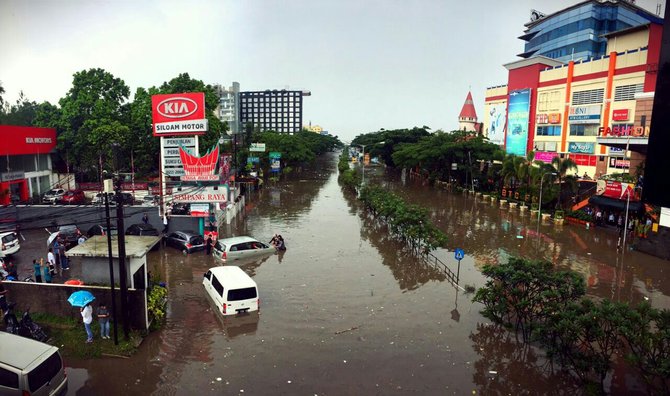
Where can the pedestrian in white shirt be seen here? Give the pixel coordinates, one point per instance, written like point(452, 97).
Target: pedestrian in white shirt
point(51, 262)
point(87, 316)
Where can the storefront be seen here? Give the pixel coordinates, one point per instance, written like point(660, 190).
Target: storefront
point(25, 162)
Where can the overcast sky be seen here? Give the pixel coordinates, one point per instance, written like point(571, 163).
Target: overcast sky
point(369, 64)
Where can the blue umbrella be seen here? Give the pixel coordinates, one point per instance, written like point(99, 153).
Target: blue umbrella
point(81, 298)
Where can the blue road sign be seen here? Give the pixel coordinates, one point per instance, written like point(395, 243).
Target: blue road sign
point(459, 254)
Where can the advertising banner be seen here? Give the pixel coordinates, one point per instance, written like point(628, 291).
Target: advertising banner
point(497, 114)
point(619, 163)
point(583, 159)
point(585, 114)
point(200, 210)
point(200, 168)
point(224, 166)
point(179, 114)
point(620, 115)
point(124, 186)
point(554, 118)
point(616, 190)
point(581, 147)
point(517, 131)
point(616, 151)
point(545, 156)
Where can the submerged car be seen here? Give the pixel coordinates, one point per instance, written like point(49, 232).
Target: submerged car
point(100, 229)
point(240, 248)
point(186, 241)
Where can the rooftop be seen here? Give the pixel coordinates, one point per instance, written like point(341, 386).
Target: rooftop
point(96, 246)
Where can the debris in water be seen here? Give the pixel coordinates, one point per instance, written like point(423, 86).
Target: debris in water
point(288, 382)
point(218, 379)
point(493, 372)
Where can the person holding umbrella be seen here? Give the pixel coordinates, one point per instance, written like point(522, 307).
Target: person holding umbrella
point(83, 300)
point(87, 316)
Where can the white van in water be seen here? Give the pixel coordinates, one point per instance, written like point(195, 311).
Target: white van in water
point(232, 290)
point(29, 367)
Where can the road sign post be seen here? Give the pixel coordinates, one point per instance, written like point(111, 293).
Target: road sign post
point(458, 255)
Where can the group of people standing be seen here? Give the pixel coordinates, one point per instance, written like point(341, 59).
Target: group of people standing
point(57, 262)
point(636, 226)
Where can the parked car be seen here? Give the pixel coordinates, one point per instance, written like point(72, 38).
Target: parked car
point(9, 243)
point(150, 200)
point(52, 196)
point(30, 367)
point(73, 197)
point(239, 248)
point(99, 199)
point(100, 229)
point(142, 229)
point(186, 241)
point(68, 233)
point(232, 290)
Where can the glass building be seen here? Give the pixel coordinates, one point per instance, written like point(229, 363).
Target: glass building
point(576, 32)
point(272, 110)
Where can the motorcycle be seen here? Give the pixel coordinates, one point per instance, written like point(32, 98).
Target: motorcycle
point(35, 330)
point(12, 325)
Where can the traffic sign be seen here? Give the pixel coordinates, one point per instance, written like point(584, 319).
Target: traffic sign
point(459, 254)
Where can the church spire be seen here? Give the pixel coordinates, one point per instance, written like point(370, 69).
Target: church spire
point(468, 112)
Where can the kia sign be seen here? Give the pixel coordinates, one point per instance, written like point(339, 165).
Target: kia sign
point(179, 114)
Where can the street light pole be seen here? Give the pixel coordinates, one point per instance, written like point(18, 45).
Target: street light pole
point(539, 206)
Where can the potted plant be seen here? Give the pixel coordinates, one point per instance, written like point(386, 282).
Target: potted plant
point(559, 217)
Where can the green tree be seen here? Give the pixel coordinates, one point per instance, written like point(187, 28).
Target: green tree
point(92, 122)
point(561, 167)
point(21, 113)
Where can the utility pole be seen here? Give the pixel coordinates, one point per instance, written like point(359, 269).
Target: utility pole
point(107, 192)
point(123, 275)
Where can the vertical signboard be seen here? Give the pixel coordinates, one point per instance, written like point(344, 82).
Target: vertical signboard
point(275, 161)
point(496, 133)
point(518, 117)
point(172, 165)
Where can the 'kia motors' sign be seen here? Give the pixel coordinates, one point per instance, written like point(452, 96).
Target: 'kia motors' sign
point(179, 114)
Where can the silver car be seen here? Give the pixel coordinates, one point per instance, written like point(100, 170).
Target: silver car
point(239, 248)
point(52, 196)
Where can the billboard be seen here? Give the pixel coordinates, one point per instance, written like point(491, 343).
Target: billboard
point(179, 114)
point(201, 194)
point(497, 117)
point(171, 158)
point(518, 117)
point(275, 161)
point(199, 168)
point(616, 190)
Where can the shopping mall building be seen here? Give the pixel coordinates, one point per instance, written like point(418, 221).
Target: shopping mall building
point(583, 89)
point(25, 162)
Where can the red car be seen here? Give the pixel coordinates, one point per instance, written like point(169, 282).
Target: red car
point(73, 197)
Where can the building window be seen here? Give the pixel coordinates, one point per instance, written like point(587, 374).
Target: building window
point(549, 130)
point(584, 130)
point(627, 92)
point(591, 96)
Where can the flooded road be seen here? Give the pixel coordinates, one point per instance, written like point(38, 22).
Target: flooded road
point(344, 311)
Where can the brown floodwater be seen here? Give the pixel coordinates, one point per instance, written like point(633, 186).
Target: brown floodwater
point(345, 311)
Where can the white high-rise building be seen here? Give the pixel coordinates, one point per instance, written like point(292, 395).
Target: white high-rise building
point(227, 110)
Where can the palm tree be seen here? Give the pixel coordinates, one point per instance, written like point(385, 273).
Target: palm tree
point(561, 168)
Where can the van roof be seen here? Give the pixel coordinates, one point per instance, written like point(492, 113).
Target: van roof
point(21, 352)
point(237, 239)
point(232, 276)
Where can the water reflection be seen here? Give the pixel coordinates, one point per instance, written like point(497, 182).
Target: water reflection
point(507, 366)
point(490, 234)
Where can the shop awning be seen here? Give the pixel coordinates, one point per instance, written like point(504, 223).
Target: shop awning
point(599, 200)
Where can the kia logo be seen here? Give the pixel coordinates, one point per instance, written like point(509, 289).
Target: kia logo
point(177, 107)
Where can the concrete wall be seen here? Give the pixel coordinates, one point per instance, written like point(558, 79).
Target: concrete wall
point(52, 299)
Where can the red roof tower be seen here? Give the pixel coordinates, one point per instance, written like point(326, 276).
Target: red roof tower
point(467, 119)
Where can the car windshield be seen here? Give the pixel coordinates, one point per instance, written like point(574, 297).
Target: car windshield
point(52, 192)
point(197, 240)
